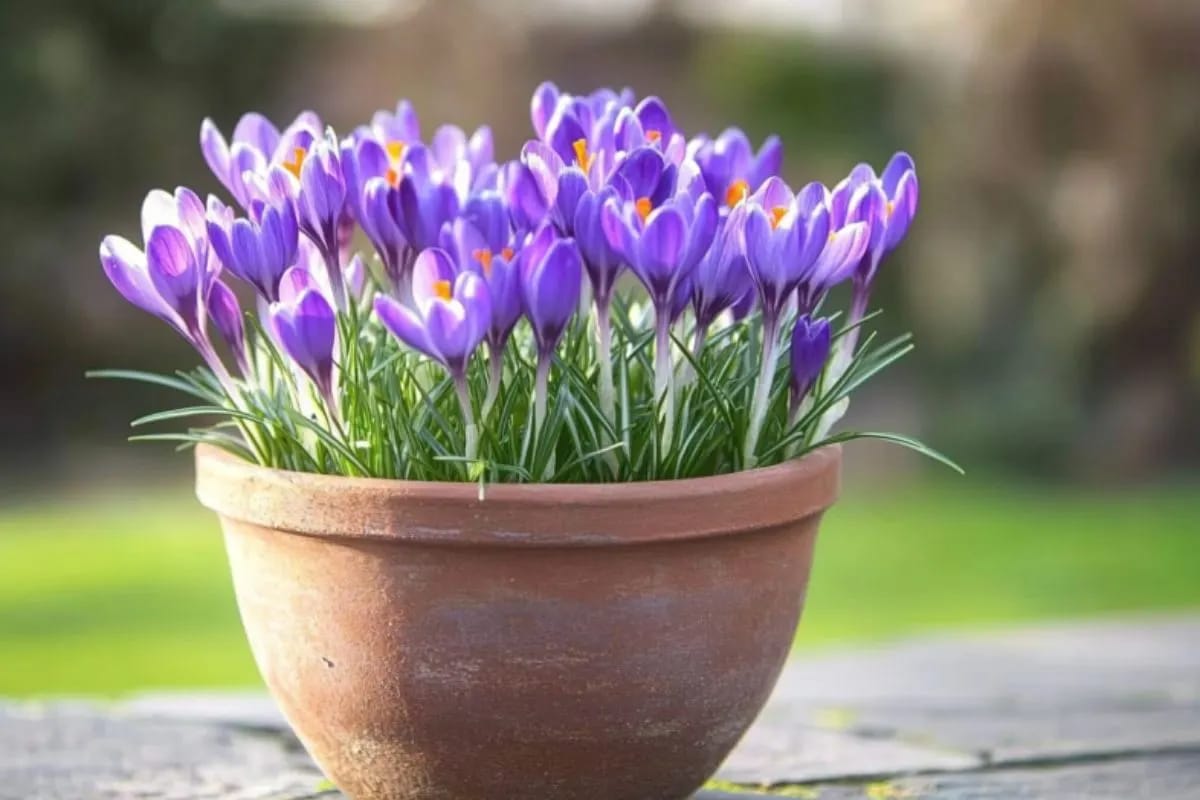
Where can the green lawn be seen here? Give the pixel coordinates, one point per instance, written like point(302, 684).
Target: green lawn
point(116, 595)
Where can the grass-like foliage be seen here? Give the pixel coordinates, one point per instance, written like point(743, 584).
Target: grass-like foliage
point(397, 414)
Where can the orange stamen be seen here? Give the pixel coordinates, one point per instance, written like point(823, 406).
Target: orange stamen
point(777, 214)
point(582, 156)
point(392, 176)
point(891, 207)
point(442, 289)
point(297, 161)
point(738, 191)
point(507, 253)
point(484, 257)
point(643, 207)
point(653, 135)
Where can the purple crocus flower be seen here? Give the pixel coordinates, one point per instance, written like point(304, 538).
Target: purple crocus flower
point(487, 213)
point(256, 147)
point(305, 326)
point(373, 172)
point(842, 255)
point(315, 183)
point(649, 124)
point(732, 170)
point(452, 315)
point(661, 244)
point(226, 314)
point(402, 126)
point(547, 98)
point(721, 278)
point(784, 237)
point(321, 196)
point(886, 204)
point(601, 260)
point(172, 276)
point(551, 274)
point(557, 185)
point(257, 251)
point(495, 261)
point(426, 199)
point(464, 162)
point(810, 350)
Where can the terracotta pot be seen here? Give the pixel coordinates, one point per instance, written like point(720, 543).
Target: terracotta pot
point(552, 642)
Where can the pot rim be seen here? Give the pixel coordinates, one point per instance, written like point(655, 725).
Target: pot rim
point(511, 514)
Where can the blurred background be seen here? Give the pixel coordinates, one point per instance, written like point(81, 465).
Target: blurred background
point(1052, 280)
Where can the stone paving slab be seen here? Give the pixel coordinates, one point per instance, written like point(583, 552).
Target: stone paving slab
point(77, 752)
point(1096, 710)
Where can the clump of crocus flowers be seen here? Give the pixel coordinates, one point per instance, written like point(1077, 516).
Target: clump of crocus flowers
point(621, 302)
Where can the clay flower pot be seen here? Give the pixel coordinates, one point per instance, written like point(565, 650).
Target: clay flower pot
point(551, 642)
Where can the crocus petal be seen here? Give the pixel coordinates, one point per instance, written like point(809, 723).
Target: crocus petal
point(174, 273)
point(158, 209)
point(841, 256)
point(760, 253)
point(551, 288)
point(810, 350)
point(216, 152)
point(125, 266)
point(642, 169)
point(660, 250)
point(404, 323)
point(767, 162)
point(294, 283)
point(900, 164)
point(472, 292)
point(449, 146)
point(255, 129)
point(487, 213)
point(902, 209)
point(226, 313)
point(602, 262)
point(563, 131)
point(481, 149)
point(617, 230)
point(572, 184)
point(773, 193)
point(448, 333)
point(545, 100)
point(653, 115)
point(307, 330)
point(432, 266)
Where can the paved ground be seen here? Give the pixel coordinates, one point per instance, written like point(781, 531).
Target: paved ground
point(1098, 710)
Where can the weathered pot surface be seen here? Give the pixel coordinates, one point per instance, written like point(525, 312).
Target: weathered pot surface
point(551, 642)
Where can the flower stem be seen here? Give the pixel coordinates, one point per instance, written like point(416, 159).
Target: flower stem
point(333, 265)
point(495, 378)
point(608, 403)
point(842, 359)
point(699, 339)
point(540, 390)
point(762, 391)
point(604, 358)
point(664, 396)
point(464, 401)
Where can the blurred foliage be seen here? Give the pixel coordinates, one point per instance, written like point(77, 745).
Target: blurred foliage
point(102, 100)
